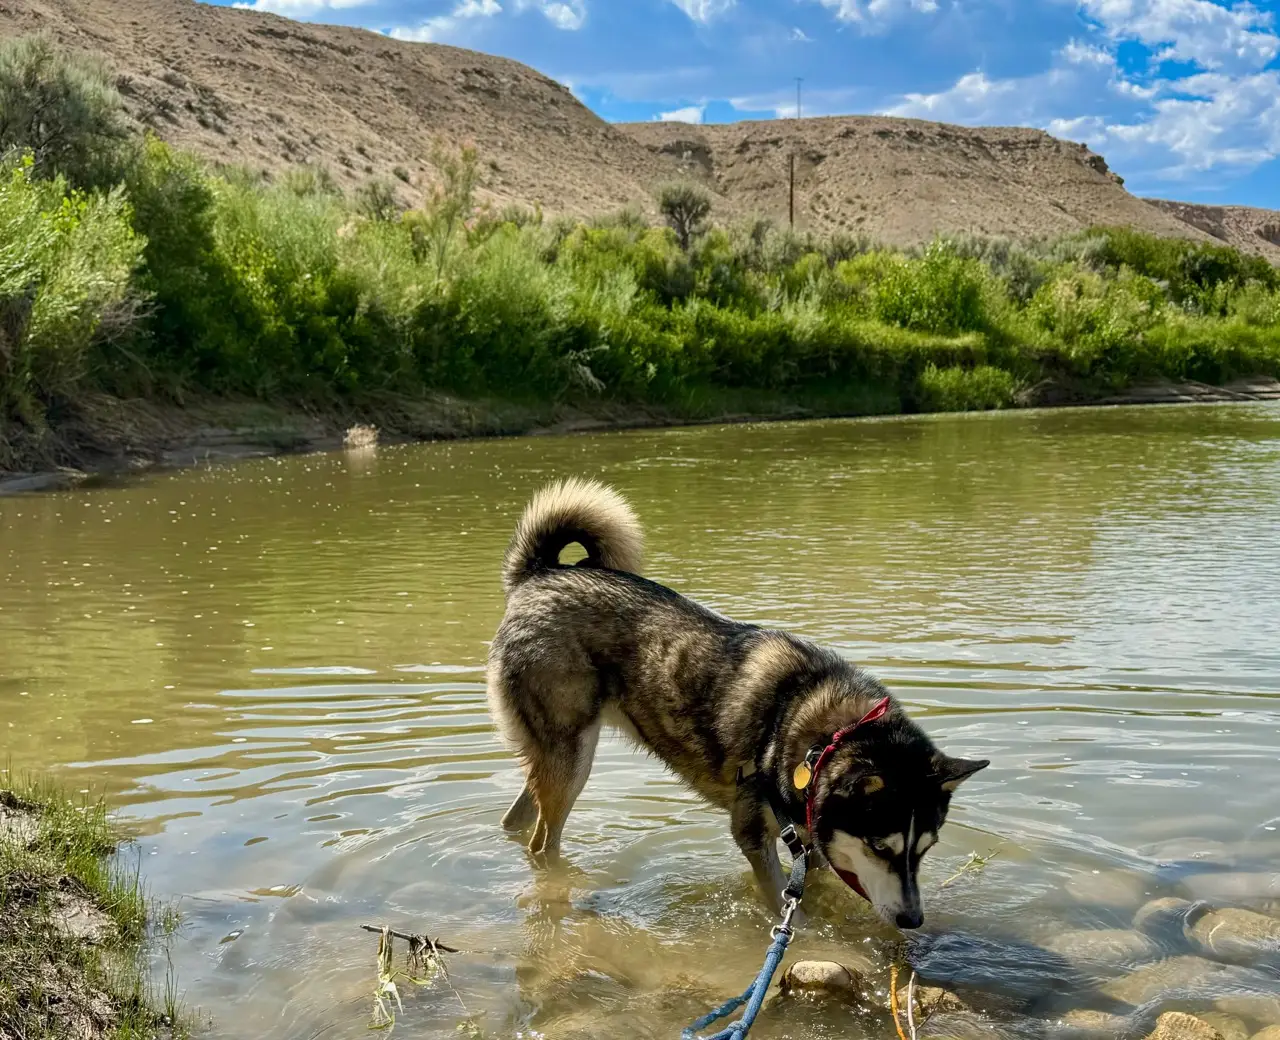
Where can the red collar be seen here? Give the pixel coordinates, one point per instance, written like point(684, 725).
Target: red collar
point(838, 738)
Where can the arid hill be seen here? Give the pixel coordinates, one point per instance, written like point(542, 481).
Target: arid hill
point(269, 93)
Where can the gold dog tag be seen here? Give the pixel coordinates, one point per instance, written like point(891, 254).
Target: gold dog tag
point(802, 776)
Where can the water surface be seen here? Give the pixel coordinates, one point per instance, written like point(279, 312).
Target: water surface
point(276, 667)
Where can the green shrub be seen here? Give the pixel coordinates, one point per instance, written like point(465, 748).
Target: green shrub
point(63, 110)
point(965, 389)
point(67, 263)
point(685, 206)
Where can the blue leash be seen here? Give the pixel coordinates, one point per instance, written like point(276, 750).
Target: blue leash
point(782, 935)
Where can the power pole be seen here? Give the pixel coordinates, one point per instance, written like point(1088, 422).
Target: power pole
point(791, 204)
point(791, 166)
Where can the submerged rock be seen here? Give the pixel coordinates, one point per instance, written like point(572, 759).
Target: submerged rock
point(1099, 1023)
point(1229, 1026)
point(1262, 1008)
point(824, 978)
point(1233, 886)
point(1122, 889)
point(1270, 1033)
point(1103, 947)
point(1235, 934)
point(1162, 916)
point(1166, 976)
point(1189, 850)
point(1177, 1025)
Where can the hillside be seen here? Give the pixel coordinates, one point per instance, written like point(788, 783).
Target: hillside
point(902, 180)
point(1244, 227)
point(268, 93)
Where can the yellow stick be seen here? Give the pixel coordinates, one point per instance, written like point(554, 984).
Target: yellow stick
point(893, 1001)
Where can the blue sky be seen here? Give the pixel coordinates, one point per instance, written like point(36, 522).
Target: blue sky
point(1181, 96)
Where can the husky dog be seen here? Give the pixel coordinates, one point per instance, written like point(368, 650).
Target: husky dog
point(718, 701)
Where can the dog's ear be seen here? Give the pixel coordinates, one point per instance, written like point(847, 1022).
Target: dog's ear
point(952, 772)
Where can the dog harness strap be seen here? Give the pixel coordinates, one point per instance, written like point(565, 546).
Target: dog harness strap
point(878, 712)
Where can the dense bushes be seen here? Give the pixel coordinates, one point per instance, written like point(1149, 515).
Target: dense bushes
point(165, 277)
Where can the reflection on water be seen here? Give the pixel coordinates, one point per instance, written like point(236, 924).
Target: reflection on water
point(278, 668)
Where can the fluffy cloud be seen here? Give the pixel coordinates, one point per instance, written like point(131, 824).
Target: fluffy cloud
point(300, 8)
point(1225, 116)
point(569, 15)
point(1202, 32)
point(690, 114)
point(873, 13)
point(447, 26)
point(703, 11)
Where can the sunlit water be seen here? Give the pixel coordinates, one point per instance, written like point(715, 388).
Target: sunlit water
point(276, 668)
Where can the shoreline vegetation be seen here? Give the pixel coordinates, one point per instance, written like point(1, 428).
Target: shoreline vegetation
point(147, 298)
point(76, 929)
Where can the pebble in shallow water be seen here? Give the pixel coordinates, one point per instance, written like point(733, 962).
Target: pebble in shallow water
point(1236, 935)
point(1234, 886)
point(1177, 1025)
point(1103, 947)
point(1162, 917)
point(1155, 980)
point(824, 978)
point(1121, 889)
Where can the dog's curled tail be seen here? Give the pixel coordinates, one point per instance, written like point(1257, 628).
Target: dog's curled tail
point(582, 511)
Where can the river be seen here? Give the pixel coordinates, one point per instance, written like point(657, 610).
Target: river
point(276, 670)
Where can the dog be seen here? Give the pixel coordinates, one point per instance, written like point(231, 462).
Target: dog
point(757, 721)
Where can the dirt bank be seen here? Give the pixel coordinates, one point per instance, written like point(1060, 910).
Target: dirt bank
point(73, 924)
point(109, 437)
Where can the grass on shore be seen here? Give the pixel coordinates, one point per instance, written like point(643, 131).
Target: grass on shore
point(131, 269)
point(75, 926)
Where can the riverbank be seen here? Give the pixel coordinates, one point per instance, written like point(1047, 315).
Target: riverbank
point(110, 437)
point(73, 924)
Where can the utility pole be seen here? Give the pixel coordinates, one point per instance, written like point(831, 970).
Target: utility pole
point(791, 204)
point(791, 167)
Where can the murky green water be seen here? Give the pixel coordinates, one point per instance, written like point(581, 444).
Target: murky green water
point(277, 667)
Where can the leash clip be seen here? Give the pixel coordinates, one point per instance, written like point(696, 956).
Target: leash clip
point(789, 908)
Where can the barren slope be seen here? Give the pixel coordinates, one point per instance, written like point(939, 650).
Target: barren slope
point(1247, 229)
point(903, 180)
point(263, 91)
point(269, 93)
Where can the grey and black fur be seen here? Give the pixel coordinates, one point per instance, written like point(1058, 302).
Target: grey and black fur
point(595, 644)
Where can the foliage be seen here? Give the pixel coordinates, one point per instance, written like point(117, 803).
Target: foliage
point(173, 278)
point(63, 110)
point(685, 206)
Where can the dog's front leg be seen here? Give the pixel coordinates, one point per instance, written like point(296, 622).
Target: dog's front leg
point(753, 831)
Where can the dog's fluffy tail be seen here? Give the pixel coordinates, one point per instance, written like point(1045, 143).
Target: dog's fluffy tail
point(569, 511)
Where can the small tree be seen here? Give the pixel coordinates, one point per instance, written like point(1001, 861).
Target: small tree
point(685, 206)
point(376, 201)
point(63, 109)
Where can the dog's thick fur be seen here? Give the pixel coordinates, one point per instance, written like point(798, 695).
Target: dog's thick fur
point(596, 644)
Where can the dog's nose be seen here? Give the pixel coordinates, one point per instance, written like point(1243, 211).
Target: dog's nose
point(909, 919)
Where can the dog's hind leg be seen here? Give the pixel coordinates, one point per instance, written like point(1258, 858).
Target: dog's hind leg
point(556, 777)
point(523, 811)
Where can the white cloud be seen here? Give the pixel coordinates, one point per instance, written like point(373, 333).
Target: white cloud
point(782, 103)
point(689, 114)
point(569, 16)
point(1077, 53)
point(1208, 34)
point(876, 13)
point(299, 8)
point(704, 11)
point(447, 26)
point(798, 35)
point(1165, 127)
